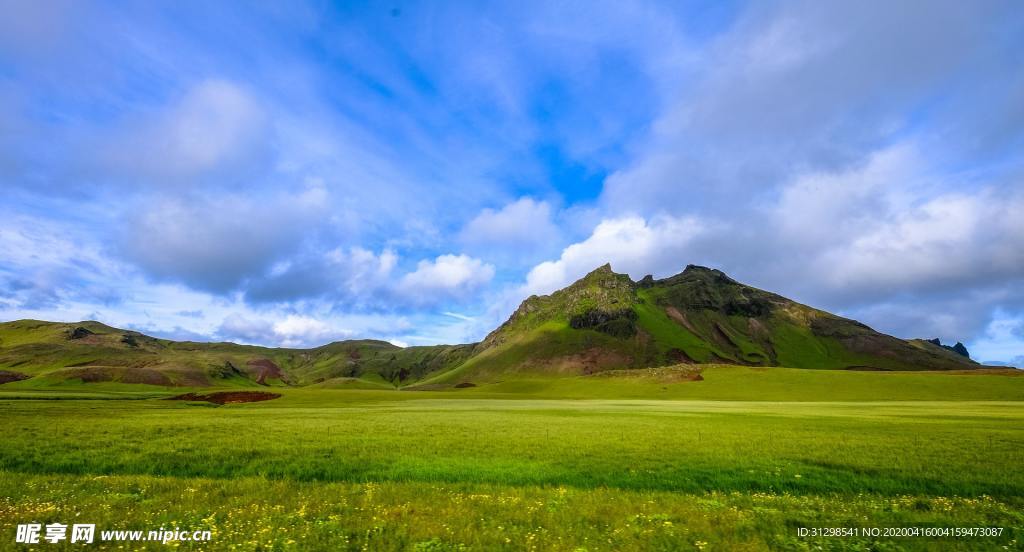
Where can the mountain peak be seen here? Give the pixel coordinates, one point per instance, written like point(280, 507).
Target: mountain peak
point(698, 270)
point(601, 272)
point(602, 277)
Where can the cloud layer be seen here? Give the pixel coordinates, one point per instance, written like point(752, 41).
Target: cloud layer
point(296, 176)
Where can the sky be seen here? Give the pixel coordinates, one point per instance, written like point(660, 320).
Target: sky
point(294, 173)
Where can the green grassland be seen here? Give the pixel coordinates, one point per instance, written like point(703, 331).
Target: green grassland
point(644, 460)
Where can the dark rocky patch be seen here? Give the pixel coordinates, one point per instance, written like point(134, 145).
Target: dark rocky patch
point(620, 323)
point(959, 348)
point(704, 288)
point(464, 385)
point(83, 363)
point(678, 356)
point(6, 376)
point(226, 371)
point(79, 333)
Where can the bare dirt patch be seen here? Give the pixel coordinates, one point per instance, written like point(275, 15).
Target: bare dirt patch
point(266, 369)
point(227, 397)
point(662, 374)
point(586, 362)
point(680, 319)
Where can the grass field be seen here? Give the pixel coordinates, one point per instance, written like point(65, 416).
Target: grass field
point(595, 463)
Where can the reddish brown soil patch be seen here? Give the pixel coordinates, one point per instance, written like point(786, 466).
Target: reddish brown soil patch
point(756, 328)
point(7, 376)
point(228, 397)
point(267, 369)
point(680, 318)
point(588, 361)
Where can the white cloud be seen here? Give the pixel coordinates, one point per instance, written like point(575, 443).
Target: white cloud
point(293, 331)
point(303, 331)
point(951, 239)
point(794, 88)
point(447, 276)
point(523, 225)
point(631, 244)
point(894, 225)
point(822, 207)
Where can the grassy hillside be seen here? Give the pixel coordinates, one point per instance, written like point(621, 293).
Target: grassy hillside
point(744, 325)
point(604, 321)
point(46, 354)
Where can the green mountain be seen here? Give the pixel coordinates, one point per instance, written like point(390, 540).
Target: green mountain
point(607, 321)
point(604, 321)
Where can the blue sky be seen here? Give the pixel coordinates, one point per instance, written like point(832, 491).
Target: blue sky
point(294, 173)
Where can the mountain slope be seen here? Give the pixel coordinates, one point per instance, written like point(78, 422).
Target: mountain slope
point(607, 321)
point(35, 353)
point(604, 321)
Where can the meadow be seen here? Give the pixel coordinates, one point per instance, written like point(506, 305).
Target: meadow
point(738, 461)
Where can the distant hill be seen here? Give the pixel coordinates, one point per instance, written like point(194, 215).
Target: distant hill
point(34, 353)
point(604, 321)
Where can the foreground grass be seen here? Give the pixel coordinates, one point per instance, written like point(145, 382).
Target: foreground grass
point(490, 468)
point(946, 448)
point(264, 514)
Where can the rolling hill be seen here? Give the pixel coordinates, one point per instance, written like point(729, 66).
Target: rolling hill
point(604, 321)
point(34, 353)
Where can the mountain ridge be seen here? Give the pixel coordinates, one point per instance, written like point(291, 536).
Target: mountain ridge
point(603, 321)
